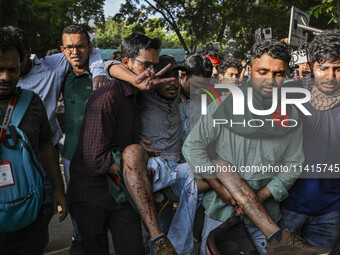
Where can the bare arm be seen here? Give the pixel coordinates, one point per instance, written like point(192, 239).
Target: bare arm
point(120, 72)
point(49, 161)
point(144, 81)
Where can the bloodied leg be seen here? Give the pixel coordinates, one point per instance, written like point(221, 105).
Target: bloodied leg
point(247, 201)
point(138, 183)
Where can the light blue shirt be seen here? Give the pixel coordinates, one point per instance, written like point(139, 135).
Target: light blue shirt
point(46, 78)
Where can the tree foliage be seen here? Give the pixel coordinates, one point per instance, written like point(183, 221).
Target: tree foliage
point(44, 20)
point(179, 23)
point(110, 35)
point(329, 8)
point(219, 20)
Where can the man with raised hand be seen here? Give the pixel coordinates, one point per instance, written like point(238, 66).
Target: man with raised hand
point(161, 135)
point(257, 194)
point(108, 148)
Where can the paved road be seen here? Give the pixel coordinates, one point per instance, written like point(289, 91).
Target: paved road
point(60, 237)
point(61, 234)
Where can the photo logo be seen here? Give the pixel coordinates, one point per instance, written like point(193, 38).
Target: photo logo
point(204, 97)
point(238, 100)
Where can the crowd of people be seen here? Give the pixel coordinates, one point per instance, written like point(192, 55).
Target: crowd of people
point(136, 142)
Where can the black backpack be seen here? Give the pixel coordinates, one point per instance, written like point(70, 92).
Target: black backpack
point(230, 238)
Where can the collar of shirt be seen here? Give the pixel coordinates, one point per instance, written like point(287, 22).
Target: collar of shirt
point(162, 100)
point(36, 61)
point(83, 73)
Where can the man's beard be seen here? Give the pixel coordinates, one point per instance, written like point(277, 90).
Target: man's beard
point(330, 93)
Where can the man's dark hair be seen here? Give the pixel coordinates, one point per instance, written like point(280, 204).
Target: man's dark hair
point(198, 65)
point(116, 55)
point(75, 29)
point(274, 48)
point(21, 37)
point(231, 62)
point(8, 42)
point(325, 47)
point(52, 52)
point(133, 43)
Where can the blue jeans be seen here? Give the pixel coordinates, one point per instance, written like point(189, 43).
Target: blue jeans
point(184, 189)
point(210, 224)
point(75, 234)
point(319, 231)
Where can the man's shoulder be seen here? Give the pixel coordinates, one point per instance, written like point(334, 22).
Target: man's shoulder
point(113, 90)
point(113, 87)
point(36, 102)
point(39, 68)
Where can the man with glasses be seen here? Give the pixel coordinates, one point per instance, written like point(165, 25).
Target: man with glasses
point(160, 136)
point(77, 89)
point(110, 186)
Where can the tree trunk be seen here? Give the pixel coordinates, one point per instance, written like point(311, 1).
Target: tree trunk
point(222, 29)
point(171, 22)
point(178, 33)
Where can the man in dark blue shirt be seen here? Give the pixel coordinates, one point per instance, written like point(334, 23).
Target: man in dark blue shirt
point(313, 208)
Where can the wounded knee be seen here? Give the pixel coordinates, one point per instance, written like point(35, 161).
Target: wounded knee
point(134, 151)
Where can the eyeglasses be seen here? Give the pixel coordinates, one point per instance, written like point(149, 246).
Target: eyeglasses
point(146, 65)
point(79, 47)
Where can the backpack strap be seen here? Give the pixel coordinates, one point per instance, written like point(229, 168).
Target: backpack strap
point(21, 107)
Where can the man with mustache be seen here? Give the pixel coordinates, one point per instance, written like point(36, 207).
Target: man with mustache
point(77, 88)
point(313, 207)
point(255, 193)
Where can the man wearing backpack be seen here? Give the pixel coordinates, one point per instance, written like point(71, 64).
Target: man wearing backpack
point(23, 235)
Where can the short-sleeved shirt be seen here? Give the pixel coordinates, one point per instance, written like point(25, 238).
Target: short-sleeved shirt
point(35, 123)
point(77, 89)
point(46, 79)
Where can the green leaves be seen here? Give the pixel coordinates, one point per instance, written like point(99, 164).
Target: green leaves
point(44, 20)
point(114, 30)
point(328, 8)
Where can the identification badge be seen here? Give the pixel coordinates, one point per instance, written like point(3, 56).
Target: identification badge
point(6, 174)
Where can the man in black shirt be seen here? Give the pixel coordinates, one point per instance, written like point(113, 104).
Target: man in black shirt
point(35, 125)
